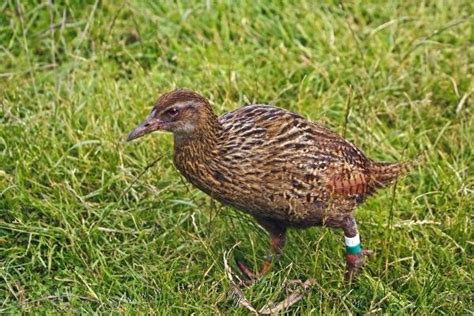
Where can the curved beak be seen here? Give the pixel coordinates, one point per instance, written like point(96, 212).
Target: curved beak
point(151, 124)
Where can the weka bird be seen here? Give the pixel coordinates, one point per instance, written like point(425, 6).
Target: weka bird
point(272, 164)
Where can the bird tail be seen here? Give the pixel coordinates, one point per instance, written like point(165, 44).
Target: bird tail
point(386, 173)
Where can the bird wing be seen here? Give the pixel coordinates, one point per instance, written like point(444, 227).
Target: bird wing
point(347, 180)
point(314, 154)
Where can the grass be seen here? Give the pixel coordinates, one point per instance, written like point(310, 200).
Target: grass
point(395, 78)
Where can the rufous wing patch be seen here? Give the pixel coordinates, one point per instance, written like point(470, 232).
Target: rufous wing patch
point(350, 183)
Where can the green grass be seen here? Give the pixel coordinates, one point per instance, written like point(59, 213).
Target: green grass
point(395, 78)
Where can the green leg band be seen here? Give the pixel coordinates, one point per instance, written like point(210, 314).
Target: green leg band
point(354, 249)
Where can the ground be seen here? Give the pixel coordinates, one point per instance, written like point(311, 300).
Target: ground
point(78, 233)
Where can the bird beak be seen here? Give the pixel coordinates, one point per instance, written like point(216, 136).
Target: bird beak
point(151, 124)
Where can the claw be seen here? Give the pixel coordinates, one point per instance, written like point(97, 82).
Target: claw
point(355, 263)
point(246, 271)
point(249, 273)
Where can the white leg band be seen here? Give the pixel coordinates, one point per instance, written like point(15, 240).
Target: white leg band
point(352, 241)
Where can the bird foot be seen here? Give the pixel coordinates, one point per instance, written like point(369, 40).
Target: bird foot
point(355, 263)
point(249, 273)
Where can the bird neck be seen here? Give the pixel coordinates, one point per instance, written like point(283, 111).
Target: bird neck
point(199, 147)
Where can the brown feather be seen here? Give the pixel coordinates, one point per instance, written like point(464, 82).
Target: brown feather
point(274, 164)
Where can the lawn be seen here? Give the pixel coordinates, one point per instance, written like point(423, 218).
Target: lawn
point(89, 223)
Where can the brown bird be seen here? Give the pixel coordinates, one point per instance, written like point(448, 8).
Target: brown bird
point(278, 167)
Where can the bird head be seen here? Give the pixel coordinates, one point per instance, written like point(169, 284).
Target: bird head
point(181, 112)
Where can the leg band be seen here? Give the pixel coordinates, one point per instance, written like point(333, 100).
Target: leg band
point(353, 244)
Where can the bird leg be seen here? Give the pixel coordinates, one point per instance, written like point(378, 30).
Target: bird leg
point(354, 253)
point(277, 241)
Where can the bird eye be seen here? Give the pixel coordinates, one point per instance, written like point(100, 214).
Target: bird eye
point(172, 112)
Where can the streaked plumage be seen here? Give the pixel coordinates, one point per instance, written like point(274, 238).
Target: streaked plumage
point(271, 163)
